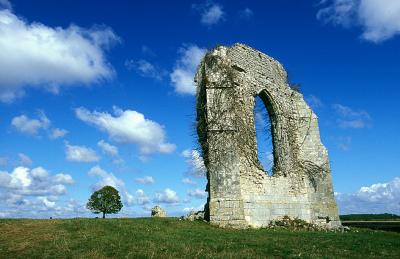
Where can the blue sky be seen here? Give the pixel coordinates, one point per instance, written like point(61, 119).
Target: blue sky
point(103, 94)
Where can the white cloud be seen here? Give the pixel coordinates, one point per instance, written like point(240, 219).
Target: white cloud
point(57, 133)
point(108, 148)
point(146, 50)
point(39, 56)
point(29, 126)
point(379, 19)
point(118, 161)
point(314, 101)
point(4, 214)
point(3, 161)
point(348, 112)
point(377, 198)
point(211, 14)
point(110, 179)
point(166, 196)
point(47, 203)
point(246, 13)
point(22, 182)
point(24, 159)
point(5, 4)
point(41, 173)
point(80, 154)
point(105, 178)
point(63, 179)
point(145, 69)
point(182, 77)
point(129, 127)
point(145, 180)
point(350, 118)
point(141, 197)
point(197, 193)
point(188, 181)
point(194, 209)
point(195, 163)
point(354, 124)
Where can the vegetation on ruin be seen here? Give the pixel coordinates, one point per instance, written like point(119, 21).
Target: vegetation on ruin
point(174, 238)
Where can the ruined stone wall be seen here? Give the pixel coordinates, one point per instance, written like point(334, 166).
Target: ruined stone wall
point(241, 193)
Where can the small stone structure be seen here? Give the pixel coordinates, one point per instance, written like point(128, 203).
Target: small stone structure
point(159, 212)
point(241, 193)
point(194, 215)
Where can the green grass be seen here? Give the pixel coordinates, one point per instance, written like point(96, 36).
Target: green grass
point(173, 238)
point(385, 225)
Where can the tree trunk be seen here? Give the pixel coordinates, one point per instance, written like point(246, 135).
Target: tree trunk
point(104, 215)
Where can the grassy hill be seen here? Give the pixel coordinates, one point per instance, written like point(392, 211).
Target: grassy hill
point(173, 238)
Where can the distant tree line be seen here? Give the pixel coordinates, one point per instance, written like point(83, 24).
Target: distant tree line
point(366, 217)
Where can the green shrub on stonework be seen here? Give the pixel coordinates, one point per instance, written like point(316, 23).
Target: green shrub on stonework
point(292, 224)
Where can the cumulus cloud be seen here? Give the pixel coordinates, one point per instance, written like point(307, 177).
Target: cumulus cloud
point(23, 182)
point(30, 126)
point(5, 4)
point(246, 13)
point(210, 13)
point(349, 118)
point(107, 148)
point(39, 56)
point(129, 127)
point(166, 196)
point(141, 197)
point(145, 180)
point(33, 126)
point(105, 178)
point(146, 50)
point(24, 159)
point(45, 207)
point(145, 68)
point(182, 77)
point(195, 163)
point(110, 179)
point(314, 101)
point(80, 153)
point(193, 209)
point(344, 142)
point(197, 193)
point(57, 133)
point(3, 160)
point(377, 198)
point(188, 181)
point(47, 203)
point(379, 19)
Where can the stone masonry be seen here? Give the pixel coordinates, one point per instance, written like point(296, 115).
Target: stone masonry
point(241, 193)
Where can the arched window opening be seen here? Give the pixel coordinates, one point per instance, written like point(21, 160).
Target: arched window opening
point(265, 147)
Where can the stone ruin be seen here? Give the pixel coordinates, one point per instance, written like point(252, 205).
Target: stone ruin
point(241, 193)
point(158, 212)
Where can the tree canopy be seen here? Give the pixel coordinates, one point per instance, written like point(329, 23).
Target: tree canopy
point(106, 200)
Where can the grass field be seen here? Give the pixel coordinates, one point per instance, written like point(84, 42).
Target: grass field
point(173, 238)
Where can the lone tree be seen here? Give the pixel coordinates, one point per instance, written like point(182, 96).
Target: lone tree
point(106, 201)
